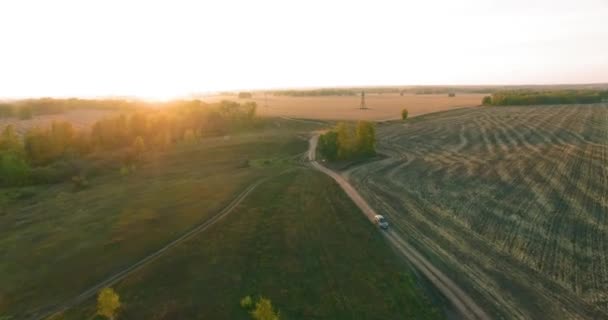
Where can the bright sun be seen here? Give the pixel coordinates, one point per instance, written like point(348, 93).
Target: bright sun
point(161, 50)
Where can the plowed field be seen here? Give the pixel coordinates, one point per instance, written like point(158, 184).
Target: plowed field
point(512, 202)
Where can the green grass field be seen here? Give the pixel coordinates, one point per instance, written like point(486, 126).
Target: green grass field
point(509, 201)
point(296, 239)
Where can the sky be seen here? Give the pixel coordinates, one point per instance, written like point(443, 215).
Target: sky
point(163, 49)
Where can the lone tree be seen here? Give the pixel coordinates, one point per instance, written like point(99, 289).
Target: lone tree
point(264, 310)
point(487, 100)
point(246, 302)
point(404, 114)
point(108, 303)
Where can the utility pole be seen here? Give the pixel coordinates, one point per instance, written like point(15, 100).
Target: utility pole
point(363, 106)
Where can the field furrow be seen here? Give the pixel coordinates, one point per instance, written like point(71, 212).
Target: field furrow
point(510, 201)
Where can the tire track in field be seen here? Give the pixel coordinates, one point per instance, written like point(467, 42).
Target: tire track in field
point(413, 232)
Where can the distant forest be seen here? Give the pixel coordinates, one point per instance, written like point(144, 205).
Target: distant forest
point(421, 90)
point(378, 90)
point(528, 97)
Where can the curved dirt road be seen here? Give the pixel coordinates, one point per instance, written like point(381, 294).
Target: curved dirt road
point(465, 305)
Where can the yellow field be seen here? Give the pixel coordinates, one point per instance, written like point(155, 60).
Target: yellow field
point(380, 106)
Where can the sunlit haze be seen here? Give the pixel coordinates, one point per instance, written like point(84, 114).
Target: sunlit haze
point(161, 49)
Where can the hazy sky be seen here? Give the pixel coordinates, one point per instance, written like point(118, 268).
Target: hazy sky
point(164, 48)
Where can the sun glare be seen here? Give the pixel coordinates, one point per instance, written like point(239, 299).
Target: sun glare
point(160, 49)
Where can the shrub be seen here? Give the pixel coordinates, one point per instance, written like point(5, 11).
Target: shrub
point(124, 170)
point(57, 172)
point(487, 100)
point(80, 182)
point(264, 310)
point(246, 302)
point(13, 170)
point(404, 114)
point(108, 303)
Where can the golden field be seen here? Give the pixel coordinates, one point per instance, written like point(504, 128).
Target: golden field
point(380, 106)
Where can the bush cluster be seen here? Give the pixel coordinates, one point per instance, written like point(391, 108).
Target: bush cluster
point(347, 142)
point(261, 310)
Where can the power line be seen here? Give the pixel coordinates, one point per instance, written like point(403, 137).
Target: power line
point(363, 106)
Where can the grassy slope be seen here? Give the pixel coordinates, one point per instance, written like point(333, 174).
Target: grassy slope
point(59, 242)
point(298, 240)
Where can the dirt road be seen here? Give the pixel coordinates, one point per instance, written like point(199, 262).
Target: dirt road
point(465, 305)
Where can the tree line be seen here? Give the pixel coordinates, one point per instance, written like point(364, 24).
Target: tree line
point(347, 141)
point(528, 97)
point(49, 154)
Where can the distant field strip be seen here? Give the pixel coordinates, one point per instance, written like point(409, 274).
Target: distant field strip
point(509, 201)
